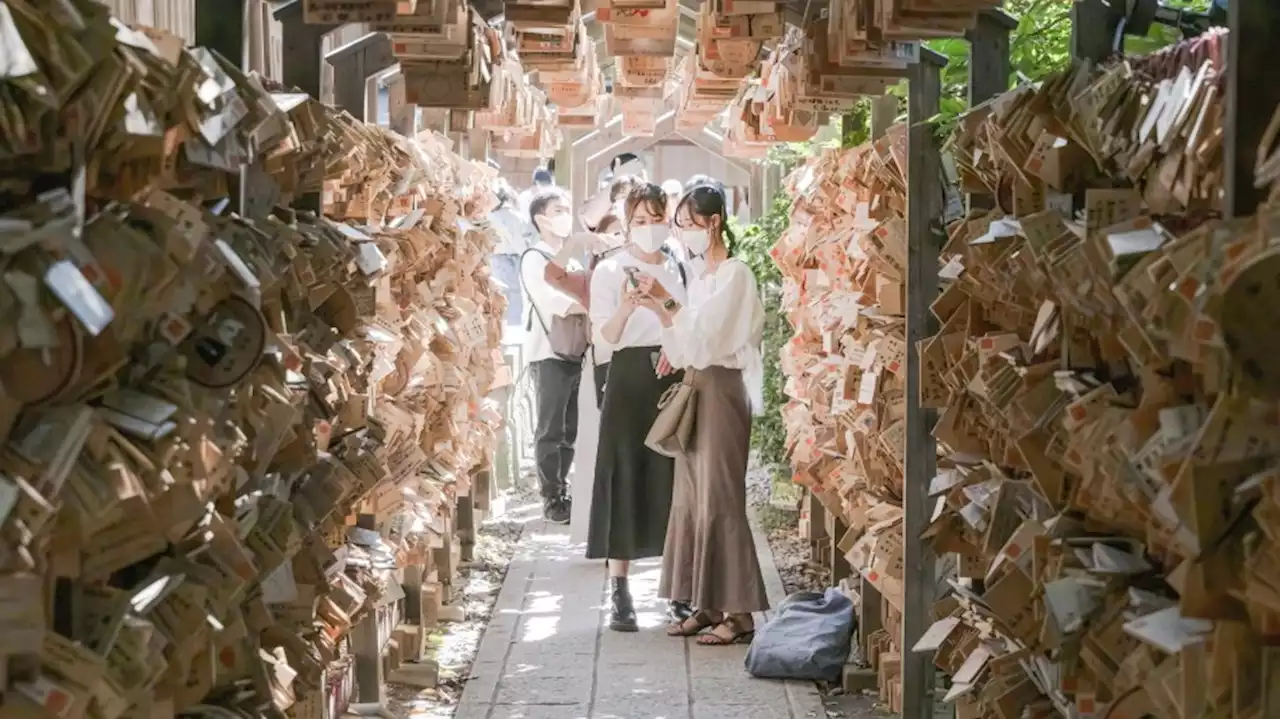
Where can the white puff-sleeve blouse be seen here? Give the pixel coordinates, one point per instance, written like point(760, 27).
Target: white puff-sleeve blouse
point(721, 326)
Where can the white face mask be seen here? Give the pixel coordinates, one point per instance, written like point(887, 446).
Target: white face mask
point(650, 238)
point(697, 240)
point(559, 226)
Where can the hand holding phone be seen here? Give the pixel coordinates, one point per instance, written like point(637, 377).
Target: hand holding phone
point(633, 278)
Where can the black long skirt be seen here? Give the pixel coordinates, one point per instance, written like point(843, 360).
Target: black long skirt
point(631, 498)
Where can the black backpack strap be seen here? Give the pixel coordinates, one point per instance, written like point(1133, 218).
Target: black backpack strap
point(684, 279)
point(597, 259)
point(528, 325)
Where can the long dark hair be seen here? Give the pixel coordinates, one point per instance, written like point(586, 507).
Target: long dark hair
point(705, 197)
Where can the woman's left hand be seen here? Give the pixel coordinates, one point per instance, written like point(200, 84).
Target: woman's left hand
point(664, 366)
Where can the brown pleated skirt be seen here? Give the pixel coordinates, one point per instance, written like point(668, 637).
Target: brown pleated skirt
point(710, 556)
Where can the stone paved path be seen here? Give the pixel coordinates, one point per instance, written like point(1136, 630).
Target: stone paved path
point(547, 654)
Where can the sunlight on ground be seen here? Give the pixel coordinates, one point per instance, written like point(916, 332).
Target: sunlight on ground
point(537, 629)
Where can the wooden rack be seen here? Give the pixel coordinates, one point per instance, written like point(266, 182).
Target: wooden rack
point(1251, 99)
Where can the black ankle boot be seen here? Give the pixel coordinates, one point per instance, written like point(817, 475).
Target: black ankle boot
point(679, 610)
point(623, 616)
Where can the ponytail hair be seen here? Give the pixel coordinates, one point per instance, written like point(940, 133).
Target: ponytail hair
point(705, 197)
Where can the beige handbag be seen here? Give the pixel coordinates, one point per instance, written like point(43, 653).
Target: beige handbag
point(672, 430)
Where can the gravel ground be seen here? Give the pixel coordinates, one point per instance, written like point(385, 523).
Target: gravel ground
point(790, 552)
point(458, 642)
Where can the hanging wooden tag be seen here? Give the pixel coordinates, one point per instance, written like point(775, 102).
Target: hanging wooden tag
point(227, 345)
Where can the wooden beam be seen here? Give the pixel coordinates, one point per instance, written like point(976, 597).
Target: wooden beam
point(704, 141)
point(925, 237)
point(611, 131)
point(353, 65)
point(665, 127)
point(1252, 97)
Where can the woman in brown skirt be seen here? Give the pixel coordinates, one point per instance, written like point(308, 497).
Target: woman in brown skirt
point(710, 556)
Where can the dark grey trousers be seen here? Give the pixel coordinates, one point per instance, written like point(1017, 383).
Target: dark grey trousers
point(556, 382)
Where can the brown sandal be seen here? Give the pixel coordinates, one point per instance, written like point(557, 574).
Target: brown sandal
point(701, 620)
point(734, 625)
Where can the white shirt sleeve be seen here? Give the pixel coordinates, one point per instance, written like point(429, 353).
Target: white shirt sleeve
point(717, 327)
point(605, 298)
point(547, 300)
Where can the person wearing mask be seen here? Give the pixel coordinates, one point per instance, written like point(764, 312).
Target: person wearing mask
point(556, 377)
point(515, 235)
point(631, 497)
point(608, 201)
point(542, 180)
point(590, 399)
point(709, 558)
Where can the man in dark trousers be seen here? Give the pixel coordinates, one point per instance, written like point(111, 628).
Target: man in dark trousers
point(555, 377)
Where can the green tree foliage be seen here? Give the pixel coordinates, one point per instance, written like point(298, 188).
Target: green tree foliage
point(768, 436)
point(1039, 45)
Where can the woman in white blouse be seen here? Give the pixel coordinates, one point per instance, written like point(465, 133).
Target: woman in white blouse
point(631, 496)
point(709, 558)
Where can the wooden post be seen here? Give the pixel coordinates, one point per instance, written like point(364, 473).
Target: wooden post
point(1093, 29)
point(757, 202)
point(1252, 97)
point(1269, 681)
point(579, 188)
point(840, 569)
point(817, 517)
point(301, 68)
point(884, 110)
point(989, 65)
point(925, 237)
point(989, 69)
point(365, 645)
point(223, 26)
point(353, 65)
point(466, 528)
point(478, 144)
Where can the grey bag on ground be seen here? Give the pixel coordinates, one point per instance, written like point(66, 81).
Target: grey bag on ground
point(808, 638)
